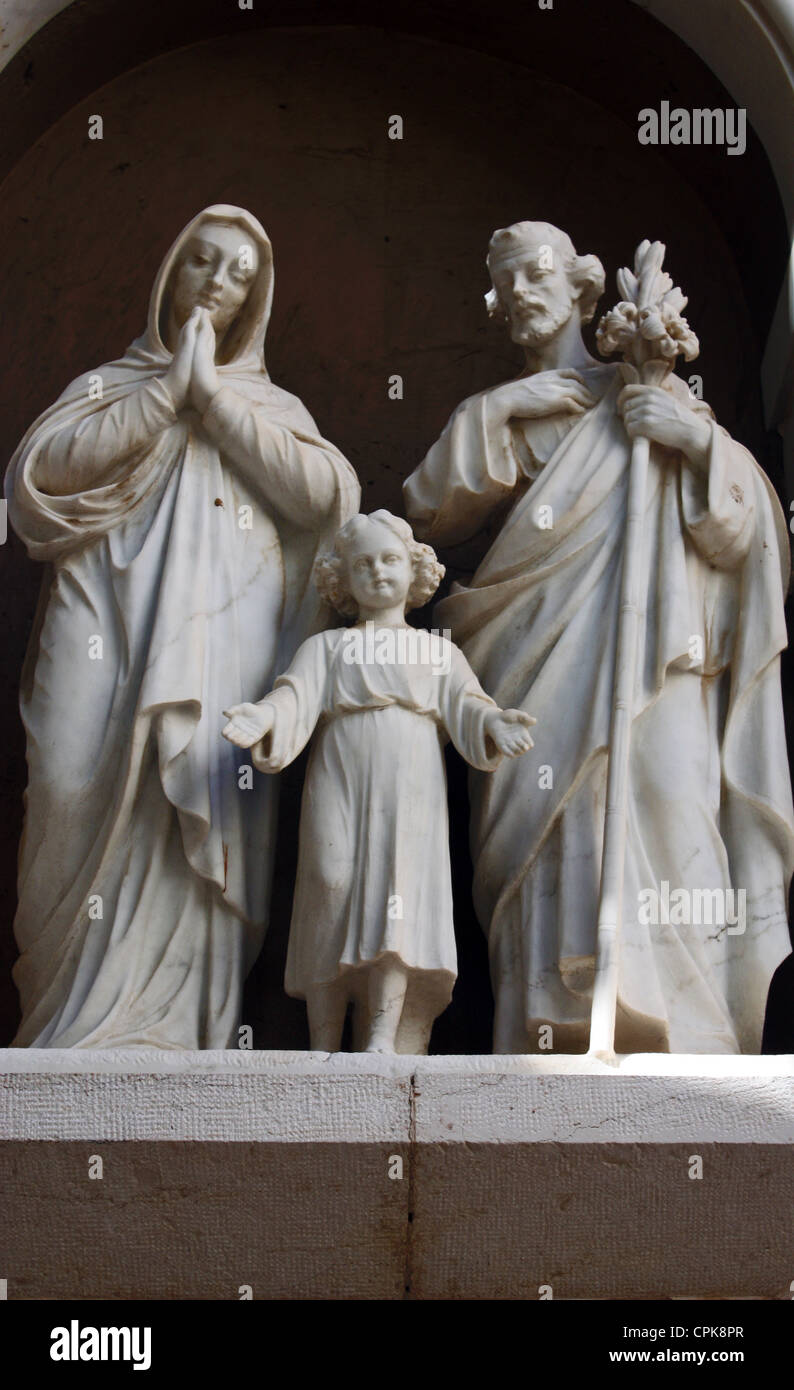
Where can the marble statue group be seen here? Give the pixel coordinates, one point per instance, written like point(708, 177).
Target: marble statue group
point(212, 586)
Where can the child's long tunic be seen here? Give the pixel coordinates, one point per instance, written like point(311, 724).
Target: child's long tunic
point(373, 866)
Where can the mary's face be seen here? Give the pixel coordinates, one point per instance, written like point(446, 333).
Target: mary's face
point(216, 272)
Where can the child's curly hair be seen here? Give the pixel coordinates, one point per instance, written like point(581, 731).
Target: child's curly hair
point(330, 575)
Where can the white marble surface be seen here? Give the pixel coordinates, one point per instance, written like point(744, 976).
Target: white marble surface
point(372, 917)
point(709, 805)
point(180, 498)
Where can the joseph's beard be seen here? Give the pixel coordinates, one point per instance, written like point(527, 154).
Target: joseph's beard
point(534, 329)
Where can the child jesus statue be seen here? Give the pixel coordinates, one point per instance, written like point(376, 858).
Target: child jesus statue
point(372, 916)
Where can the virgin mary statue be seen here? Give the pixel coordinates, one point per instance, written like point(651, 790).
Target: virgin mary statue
point(178, 499)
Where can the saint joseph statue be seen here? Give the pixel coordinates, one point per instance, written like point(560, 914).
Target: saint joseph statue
point(710, 822)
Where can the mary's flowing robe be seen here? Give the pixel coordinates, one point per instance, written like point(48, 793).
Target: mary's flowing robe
point(180, 551)
point(710, 808)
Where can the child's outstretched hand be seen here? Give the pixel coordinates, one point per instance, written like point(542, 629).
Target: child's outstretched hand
point(247, 724)
point(509, 729)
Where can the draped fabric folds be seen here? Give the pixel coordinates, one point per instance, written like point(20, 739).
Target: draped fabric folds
point(373, 867)
point(179, 554)
point(710, 798)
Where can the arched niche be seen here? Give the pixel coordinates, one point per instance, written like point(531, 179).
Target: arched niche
point(748, 44)
point(379, 245)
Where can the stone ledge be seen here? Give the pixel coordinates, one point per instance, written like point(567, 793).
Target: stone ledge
point(303, 1097)
point(275, 1170)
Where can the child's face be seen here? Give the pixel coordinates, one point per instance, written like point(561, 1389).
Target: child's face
point(379, 567)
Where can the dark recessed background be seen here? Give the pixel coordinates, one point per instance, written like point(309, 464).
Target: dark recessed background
point(379, 252)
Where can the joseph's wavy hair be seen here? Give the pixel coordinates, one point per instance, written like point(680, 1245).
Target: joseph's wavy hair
point(330, 570)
